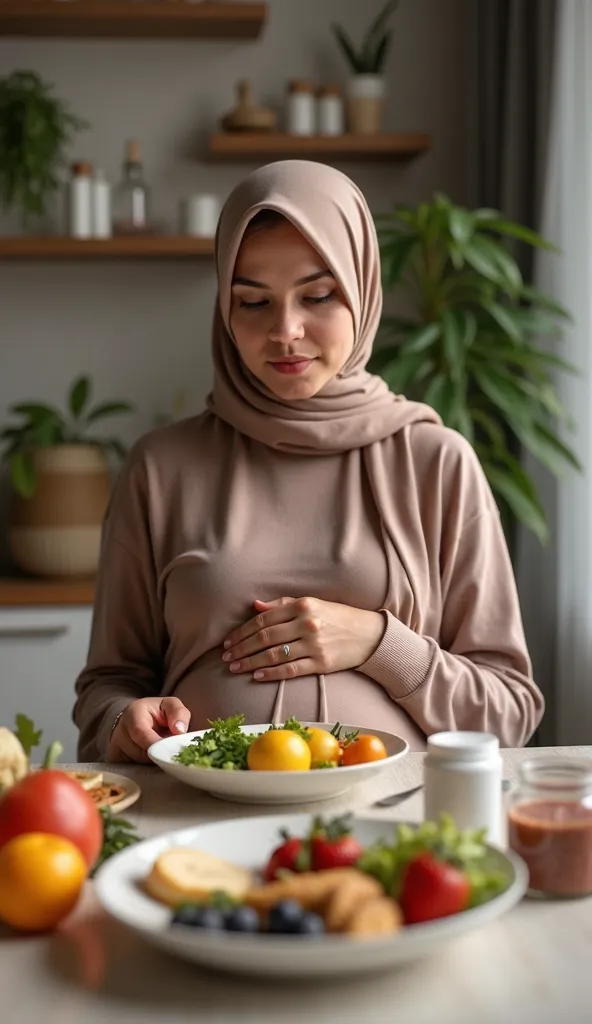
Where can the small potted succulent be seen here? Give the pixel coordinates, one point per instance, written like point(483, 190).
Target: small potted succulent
point(366, 87)
point(36, 128)
point(60, 482)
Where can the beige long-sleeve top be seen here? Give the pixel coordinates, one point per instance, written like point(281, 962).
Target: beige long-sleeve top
point(204, 520)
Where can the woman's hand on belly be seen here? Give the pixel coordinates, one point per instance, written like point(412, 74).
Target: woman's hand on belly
point(318, 636)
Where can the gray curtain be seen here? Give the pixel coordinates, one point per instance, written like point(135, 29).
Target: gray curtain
point(512, 80)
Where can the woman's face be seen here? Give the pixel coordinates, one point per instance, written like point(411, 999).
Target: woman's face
point(292, 325)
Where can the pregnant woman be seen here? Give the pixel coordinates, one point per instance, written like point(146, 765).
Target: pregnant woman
point(311, 545)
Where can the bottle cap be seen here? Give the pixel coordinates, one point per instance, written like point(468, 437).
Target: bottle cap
point(82, 168)
point(463, 746)
point(133, 152)
point(329, 90)
point(300, 85)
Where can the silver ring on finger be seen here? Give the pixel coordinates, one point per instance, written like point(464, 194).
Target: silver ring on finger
point(286, 650)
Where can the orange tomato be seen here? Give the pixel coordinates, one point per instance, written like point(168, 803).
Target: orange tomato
point(362, 750)
point(323, 746)
point(41, 878)
point(279, 750)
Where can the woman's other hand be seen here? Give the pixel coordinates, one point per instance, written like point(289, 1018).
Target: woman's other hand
point(144, 722)
point(321, 637)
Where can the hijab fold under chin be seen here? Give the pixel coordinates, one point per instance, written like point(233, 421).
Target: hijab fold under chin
point(354, 409)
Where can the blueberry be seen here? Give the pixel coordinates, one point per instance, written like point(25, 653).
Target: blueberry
point(208, 918)
point(285, 917)
point(242, 919)
point(311, 924)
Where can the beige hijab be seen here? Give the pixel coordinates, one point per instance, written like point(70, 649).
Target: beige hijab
point(354, 409)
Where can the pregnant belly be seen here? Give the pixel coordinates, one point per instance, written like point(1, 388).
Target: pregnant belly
point(209, 691)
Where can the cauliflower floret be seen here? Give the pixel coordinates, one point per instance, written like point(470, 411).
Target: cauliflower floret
point(13, 760)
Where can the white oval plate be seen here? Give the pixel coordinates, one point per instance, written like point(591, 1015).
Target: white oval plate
point(275, 787)
point(248, 842)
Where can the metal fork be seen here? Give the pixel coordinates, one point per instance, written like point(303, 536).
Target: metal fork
point(398, 798)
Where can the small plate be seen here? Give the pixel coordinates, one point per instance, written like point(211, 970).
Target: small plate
point(248, 843)
point(131, 795)
point(275, 787)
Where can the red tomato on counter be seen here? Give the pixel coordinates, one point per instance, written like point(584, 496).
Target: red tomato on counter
point(49, 801)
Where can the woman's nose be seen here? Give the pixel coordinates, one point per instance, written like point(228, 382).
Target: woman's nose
point(286, 325)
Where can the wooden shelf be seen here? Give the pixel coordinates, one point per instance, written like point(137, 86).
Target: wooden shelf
point(264, 146)
point(152, 247)
point(23, 591)
point(135, 19)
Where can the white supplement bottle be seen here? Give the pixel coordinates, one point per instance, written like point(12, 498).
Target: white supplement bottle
point(301, 108)
point(463, 778)
point(80, 200)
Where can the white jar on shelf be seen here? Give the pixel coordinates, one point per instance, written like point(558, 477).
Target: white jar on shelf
point(330, 111)
point(101, 206)
point(80, 200)
point(301, 108)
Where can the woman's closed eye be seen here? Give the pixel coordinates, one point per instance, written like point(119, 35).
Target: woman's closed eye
point(313, 300)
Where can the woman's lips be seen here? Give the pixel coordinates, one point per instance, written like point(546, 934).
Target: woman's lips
point(291, 365)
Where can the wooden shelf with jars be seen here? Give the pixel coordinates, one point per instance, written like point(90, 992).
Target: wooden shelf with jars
point(278, 146)
point(146, 247)
point(132, 19)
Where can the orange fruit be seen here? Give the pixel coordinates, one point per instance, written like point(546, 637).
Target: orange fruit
point(362, 750)
point(41, 878)
point(279, 750)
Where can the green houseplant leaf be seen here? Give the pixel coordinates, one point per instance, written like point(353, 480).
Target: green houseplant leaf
point(42, 426)
point(36, 129)
point(470, 346)
point(79, 396)
point(370, 56)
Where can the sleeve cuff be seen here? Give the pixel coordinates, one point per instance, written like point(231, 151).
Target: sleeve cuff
point(104, 734)
point(401, 661)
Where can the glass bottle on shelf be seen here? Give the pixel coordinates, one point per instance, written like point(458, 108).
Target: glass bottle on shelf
point(130, 200)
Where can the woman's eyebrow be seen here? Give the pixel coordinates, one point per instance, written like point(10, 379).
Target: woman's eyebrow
point(301, 280)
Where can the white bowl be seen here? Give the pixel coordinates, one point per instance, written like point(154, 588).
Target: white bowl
point(275, 787)
point(248, 842)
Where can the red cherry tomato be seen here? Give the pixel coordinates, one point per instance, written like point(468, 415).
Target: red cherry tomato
point(49, 801)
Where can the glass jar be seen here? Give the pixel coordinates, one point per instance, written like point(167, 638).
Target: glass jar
point(130, 213)
point(550, 825)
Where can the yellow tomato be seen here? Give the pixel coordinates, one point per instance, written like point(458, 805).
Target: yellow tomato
point(323, 747)
point(41, 877)
point(279, 750)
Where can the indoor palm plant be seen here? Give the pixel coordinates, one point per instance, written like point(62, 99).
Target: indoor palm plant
point(60, 482)
point(366, 89)
point(470, 347)
point(35, 129)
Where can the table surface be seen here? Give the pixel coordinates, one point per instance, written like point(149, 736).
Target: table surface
point(533, 966)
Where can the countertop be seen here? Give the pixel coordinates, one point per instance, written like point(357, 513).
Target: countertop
point(22, 591)
point(532, 966)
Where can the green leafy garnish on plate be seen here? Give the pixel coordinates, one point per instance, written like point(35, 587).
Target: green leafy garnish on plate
point(465, 850)
point(26, 733)
point(223, 746)
point(117, 835)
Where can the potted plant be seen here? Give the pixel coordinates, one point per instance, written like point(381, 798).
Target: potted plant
point(35, 129)
point(366, 88)
point(60, 482)
point(470, 347)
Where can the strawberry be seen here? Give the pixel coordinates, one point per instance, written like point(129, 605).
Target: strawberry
point(432, 888)
point(289, 856)
point(333, 846)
